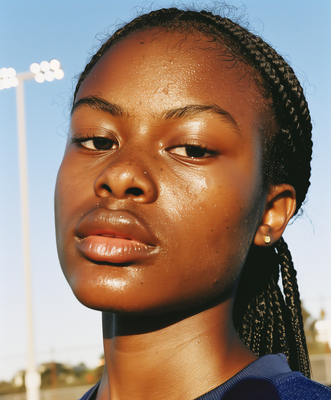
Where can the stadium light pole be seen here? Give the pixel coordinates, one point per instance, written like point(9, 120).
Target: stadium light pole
point(8, 78)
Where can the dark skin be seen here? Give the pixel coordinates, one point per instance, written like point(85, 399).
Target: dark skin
point(158, 199)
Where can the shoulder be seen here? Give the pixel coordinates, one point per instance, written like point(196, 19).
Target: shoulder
point(270, 378)
point(297, 387)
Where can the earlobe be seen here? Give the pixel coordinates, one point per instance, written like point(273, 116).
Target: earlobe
point(279, 209)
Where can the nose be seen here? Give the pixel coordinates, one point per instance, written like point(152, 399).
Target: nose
point(126, 180)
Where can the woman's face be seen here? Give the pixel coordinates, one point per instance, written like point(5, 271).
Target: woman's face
point(159, 194)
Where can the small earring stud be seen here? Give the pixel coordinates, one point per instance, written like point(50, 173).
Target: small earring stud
point(267, 239)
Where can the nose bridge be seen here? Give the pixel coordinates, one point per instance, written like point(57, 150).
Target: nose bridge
point(127, 176)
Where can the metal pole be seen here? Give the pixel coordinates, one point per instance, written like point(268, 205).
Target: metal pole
point(32, 377)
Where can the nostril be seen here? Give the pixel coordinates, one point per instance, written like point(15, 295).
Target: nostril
point(106, 187)
point(134, 191)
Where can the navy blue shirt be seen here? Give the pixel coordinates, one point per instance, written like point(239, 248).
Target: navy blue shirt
point(268, 378)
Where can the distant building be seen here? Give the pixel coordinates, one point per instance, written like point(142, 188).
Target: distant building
point(323, 331)
point(321, 363)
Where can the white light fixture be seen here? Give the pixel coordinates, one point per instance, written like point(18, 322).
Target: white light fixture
point(39, 77)
point(54, 64)
point(8, 78)
point(49, 76)
point(35, 68)
point(45, 71)
point(11, 72)
point(58, 74)
point(44, 66)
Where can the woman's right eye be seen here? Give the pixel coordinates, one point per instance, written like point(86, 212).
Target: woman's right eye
point(96, 143)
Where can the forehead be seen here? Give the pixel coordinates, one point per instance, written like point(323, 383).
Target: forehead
point(156, 69)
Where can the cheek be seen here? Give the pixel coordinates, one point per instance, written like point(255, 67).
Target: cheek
point(224, 197)
point(72, 187)
point(71, 192)
point(64, 201)
point(215, 217)
point(63, 204)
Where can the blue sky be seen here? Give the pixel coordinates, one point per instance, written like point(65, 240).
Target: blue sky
point(33, 31)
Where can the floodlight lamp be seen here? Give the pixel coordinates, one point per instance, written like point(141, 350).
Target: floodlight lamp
point(3, 73)
point(58, 74)
point(54, 64)
point(49, 76)
point(45, 71)
point(8, 78)
point(35, 68)
point(6, 83)
point(39, 77)
point(44, 66)
point(11, 72)
point(7, 73)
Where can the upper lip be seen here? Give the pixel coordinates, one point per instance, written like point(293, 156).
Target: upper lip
point(115, 223)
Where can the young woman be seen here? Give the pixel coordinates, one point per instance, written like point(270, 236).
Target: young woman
point(188, 153)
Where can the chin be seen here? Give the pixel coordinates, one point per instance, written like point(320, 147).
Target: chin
point(140, 301)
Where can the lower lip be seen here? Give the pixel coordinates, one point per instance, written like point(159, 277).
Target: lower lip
point(113, 250)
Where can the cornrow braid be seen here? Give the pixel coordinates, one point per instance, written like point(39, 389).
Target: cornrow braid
point(292, 298)
point(266, 320)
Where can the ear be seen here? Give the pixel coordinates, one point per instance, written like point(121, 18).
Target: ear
point(279, 209)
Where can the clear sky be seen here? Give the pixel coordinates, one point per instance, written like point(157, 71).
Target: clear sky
point(33, 31)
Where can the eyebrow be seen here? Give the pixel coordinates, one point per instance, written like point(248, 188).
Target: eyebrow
point(100, 104)
point(194, 109)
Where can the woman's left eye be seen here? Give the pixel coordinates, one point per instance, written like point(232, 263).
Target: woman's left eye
point(96, 143)
point(192, 151)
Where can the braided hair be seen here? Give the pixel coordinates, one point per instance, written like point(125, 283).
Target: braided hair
point(267, 318)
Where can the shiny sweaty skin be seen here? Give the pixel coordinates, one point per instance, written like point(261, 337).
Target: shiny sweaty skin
point(158, 199)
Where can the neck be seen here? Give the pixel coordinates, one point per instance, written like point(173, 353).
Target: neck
point(170, 356)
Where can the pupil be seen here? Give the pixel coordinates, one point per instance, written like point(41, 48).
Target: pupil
point(193, 151)
point(102, 143)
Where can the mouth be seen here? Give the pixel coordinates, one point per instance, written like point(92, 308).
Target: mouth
point(114, 237)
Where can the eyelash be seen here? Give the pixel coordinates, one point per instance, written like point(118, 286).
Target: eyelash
point(106, 141)
point(189, 147)
point(192, 150)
